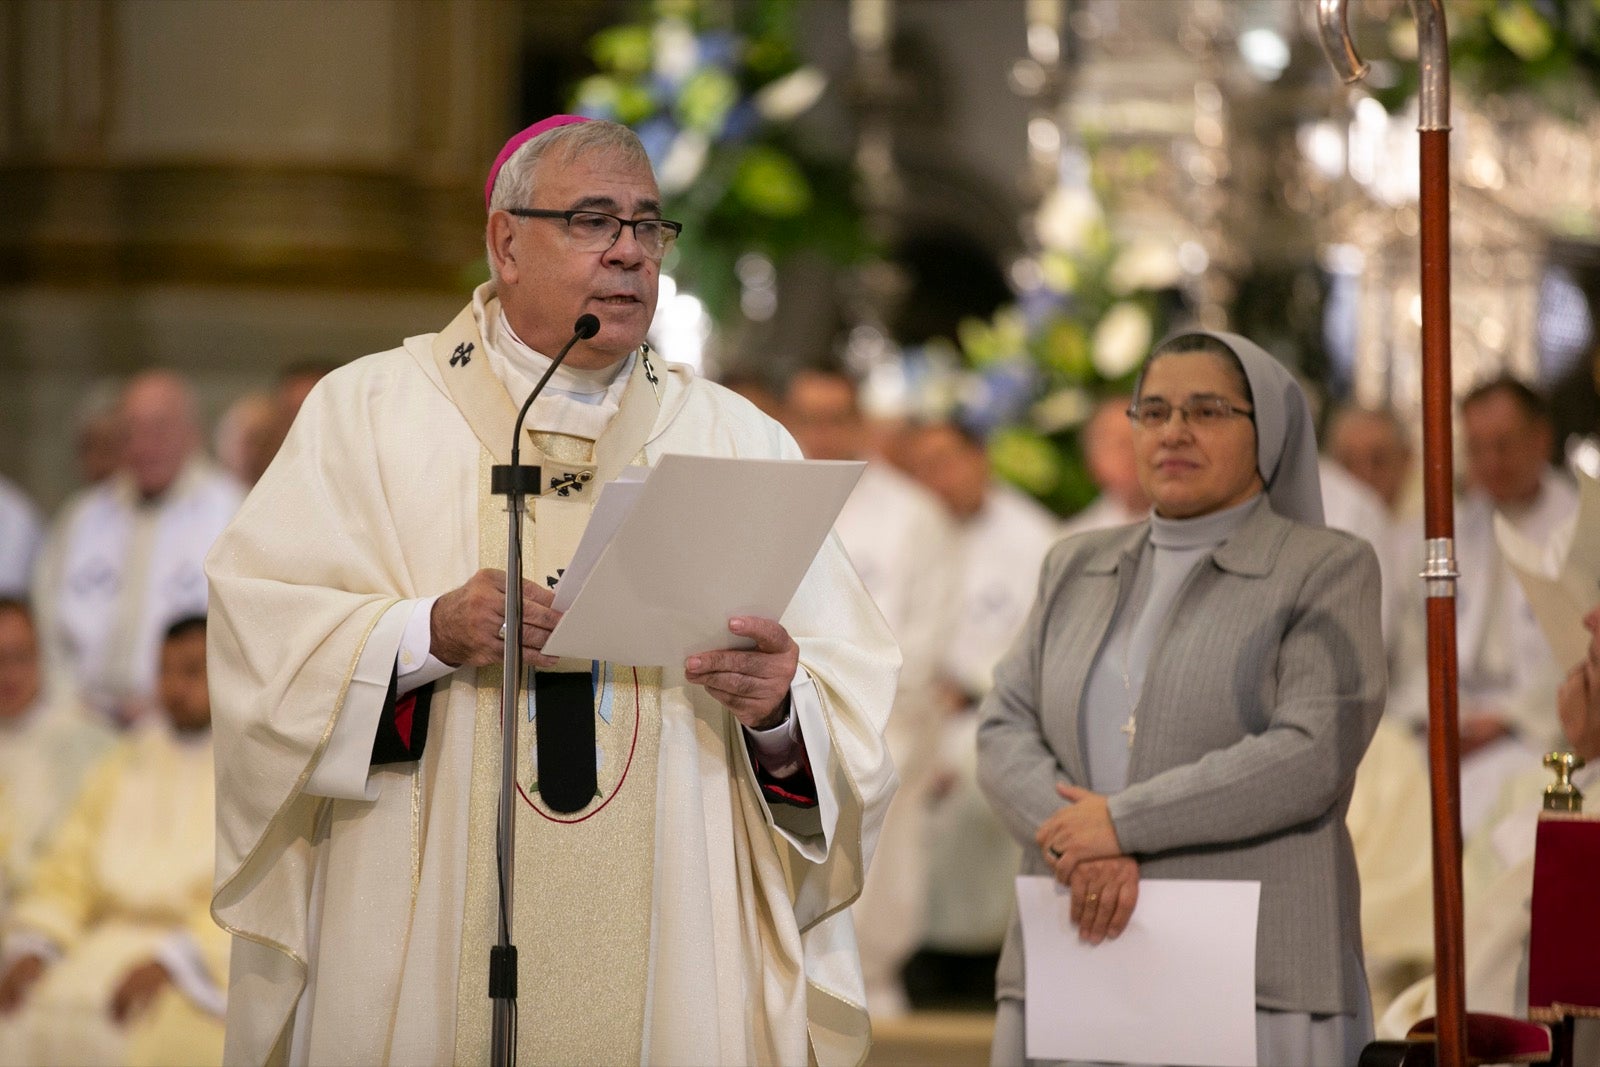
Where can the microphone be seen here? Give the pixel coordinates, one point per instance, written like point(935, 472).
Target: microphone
point(565, 723)
point(565, 728)
point(586, 327)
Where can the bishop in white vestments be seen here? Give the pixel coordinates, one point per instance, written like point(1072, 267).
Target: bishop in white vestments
point(695, 910)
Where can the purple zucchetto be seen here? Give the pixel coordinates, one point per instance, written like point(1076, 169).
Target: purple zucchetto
point(517, 141)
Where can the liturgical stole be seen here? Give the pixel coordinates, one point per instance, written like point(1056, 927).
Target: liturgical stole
point(583, 874)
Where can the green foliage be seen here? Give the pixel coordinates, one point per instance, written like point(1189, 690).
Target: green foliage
point(713, 91)
point(1072, 339)
point(1548, 49)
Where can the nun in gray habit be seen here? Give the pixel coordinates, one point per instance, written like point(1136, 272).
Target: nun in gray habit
point(1191, 696)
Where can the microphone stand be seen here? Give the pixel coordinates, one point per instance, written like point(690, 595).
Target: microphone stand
point(514, 482)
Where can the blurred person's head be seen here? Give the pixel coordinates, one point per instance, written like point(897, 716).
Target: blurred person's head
point(952, 462)
point(1108, 454)
point(163, 429)
point(295, 383)
point(1509, 436)
point(181, 678)
point(248, 435)
point(1372, 445)
point(98, 433)
point(19, 659)
point(820, 409)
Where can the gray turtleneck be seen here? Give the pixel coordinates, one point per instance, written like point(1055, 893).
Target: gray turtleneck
point(1116, 678)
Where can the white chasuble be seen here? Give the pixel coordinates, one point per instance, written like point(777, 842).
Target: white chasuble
point(683, 913)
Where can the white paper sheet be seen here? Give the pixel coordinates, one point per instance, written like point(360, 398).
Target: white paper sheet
point(616, 502)
point(707, 538)
point(1562, 579)
point(1179, 985)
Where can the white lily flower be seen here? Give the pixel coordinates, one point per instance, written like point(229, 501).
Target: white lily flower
point(676, 49)
point(1145, 264)
point(1066, 218)
point(684, 161)
point(1120, 340)
point(791, 95)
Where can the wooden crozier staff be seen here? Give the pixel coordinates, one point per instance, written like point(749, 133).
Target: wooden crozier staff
point(1444, 757)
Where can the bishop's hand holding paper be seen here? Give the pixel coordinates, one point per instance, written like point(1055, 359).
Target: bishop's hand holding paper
point(753, 683)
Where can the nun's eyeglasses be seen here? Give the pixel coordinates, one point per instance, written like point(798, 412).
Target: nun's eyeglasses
point(1154, 412)
point(595, 231)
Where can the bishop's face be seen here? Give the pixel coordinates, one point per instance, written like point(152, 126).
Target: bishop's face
point(546, 283)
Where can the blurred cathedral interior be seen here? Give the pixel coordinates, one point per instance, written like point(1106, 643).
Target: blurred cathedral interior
point(228, 189)
point(985, 211)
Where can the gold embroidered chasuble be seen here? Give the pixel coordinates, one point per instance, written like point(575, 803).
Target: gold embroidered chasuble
point(681, 921)
point(583, 889)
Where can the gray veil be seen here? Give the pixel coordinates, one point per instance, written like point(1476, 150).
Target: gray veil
point(1286, 440)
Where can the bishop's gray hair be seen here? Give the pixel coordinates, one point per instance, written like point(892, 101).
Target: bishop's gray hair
point(513, 187)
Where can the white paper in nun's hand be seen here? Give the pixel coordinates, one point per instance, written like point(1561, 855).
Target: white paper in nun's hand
point(1179, 985)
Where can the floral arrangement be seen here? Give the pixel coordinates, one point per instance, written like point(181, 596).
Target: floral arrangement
point(1547, 48)
point(1092, 309)
point(713, 90)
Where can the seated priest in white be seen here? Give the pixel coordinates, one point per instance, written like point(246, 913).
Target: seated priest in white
point(46, 746)
point(127, 556)
point(1507, 673)
point(1107, 438)
point(111, 956)
point(1002, 537)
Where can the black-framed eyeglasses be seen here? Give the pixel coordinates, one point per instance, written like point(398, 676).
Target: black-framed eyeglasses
point(1154, 412)
point(596, 231)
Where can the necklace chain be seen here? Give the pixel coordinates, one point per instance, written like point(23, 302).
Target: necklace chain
point(1132, 725)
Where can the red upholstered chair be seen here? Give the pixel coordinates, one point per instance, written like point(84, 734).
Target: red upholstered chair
point(1564, 946)
point(1563, 954)
point(1490, 1039)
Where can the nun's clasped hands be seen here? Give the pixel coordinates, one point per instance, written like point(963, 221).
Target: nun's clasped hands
point(1080, 844)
